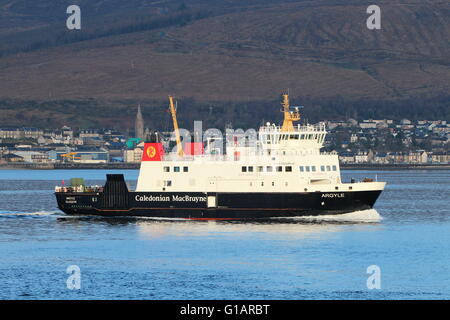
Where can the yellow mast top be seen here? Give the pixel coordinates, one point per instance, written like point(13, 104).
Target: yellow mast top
point(175, 126)
point(289, 116)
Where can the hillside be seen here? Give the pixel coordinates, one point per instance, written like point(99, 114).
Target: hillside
point(220, 51)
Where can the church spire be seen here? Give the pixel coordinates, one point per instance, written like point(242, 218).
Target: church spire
point(139, 124)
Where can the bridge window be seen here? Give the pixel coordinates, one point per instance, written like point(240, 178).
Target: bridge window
point(334, 168)
point(322, 168)
point(313, 168)
point(328, 168)
point(302, 169)
point(307, 168)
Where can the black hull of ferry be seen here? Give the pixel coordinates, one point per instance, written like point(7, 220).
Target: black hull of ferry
point(227, 205)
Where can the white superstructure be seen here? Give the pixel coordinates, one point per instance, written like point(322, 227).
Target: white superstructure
point(282, 159)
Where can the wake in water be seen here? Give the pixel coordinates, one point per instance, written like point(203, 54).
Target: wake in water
point(363, 216)
point(31, 214)
point(370, 215)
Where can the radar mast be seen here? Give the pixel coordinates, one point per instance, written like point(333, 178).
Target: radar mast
point(289, 115)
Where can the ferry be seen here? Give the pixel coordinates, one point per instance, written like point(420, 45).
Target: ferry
point(281, 173)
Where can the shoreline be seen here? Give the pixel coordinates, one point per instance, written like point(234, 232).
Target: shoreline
point(74, 166)
point(136, 166)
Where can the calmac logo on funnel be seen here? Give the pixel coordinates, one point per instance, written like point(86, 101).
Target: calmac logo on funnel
point(152, 152)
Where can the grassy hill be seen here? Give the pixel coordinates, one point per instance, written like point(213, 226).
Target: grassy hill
point(221, 52)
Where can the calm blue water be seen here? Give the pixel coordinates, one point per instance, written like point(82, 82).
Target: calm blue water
point(304, 259)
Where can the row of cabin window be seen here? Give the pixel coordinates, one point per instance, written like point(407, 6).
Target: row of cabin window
point(301, 136)
point(268, 169)
point(176, 169)
point(288, 168)
point(313, 168)
point(297, 137)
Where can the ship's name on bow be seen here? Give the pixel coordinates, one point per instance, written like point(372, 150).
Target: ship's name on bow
point(182, 198)
point(333, 195)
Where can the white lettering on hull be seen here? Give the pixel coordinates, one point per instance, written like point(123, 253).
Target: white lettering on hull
point(184, 198)
point(188, 198)
point(151, 198)
point(333, 195)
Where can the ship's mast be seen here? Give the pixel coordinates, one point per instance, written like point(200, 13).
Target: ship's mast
point(289, 116)
point(173, 112)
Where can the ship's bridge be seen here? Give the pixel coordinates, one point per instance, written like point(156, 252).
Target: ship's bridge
point(301, 137)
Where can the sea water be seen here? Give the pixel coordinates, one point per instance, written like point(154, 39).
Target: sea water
point(406, 238)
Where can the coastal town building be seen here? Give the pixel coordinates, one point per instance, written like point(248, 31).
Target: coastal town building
point(11, 133)
point(133, 155)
